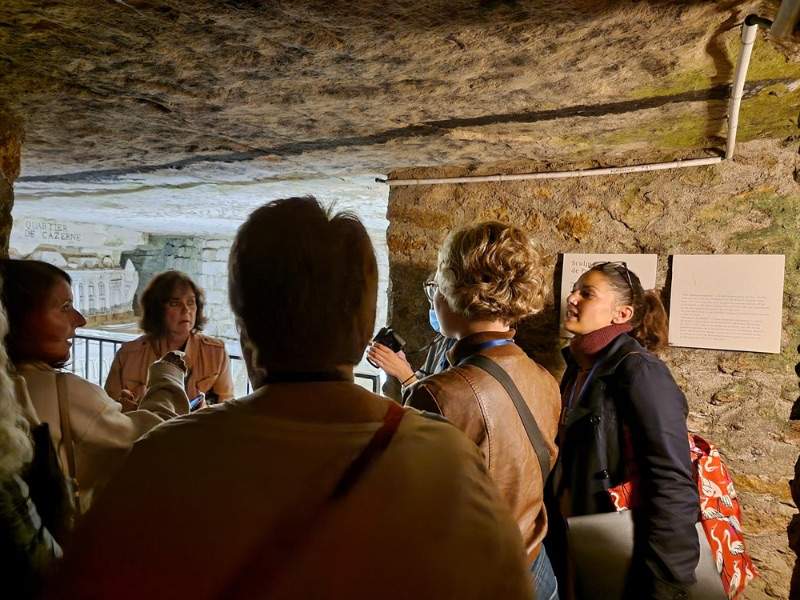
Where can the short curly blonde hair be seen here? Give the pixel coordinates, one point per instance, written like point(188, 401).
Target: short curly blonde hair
point(491, 270)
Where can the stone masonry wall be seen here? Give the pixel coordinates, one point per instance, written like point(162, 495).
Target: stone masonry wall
point(10, 147)
point(741, 401)
point(205, 261)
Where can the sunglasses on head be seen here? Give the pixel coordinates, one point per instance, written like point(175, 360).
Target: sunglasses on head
point(621, 266)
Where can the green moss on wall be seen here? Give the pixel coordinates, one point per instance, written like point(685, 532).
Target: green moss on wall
point(766, 62)
point(772, 113)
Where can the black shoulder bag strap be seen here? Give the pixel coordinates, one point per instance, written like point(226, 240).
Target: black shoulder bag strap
point(525, 415)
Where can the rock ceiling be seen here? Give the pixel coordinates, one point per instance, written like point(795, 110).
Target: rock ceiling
point(303, 88)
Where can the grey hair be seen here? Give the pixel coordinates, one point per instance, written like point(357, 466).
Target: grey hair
point(16, 448)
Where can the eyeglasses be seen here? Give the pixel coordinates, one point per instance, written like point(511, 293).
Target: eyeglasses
point(430, 287)
point(620, 266)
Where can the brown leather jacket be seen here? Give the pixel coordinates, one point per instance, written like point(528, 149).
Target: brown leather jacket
point(477, 403)
point(206, 358)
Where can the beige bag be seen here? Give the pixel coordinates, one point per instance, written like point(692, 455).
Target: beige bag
point(600, 549)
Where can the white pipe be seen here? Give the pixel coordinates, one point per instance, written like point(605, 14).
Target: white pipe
point(748, 38)
point(749, 31)
point(786, 19)
point(677, 164)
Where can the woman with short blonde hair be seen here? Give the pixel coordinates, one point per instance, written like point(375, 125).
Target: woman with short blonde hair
point(489, 277)
point(491, 270)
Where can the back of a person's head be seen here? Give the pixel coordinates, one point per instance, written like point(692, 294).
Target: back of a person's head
point(491, 270)
point(303, 284)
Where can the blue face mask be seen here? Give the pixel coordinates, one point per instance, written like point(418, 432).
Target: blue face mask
point(433, 320)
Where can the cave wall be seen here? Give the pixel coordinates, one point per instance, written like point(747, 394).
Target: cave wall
point(741, 401)
point(10, 147)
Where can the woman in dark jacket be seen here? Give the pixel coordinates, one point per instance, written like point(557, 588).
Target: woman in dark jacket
point(624, 419)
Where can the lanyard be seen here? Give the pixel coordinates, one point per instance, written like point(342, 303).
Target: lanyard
point(489, 344)
point(492, 344)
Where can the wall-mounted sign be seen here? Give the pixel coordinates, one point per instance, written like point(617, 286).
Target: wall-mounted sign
point(29, 233)
point(575, 265)
point(727, 302)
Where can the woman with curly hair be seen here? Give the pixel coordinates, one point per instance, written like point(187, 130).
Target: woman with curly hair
point(488, 278)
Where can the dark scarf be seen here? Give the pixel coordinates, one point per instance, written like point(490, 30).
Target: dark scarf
point(585, 348)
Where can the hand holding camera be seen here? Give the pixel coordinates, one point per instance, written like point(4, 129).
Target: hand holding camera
point(386, 353)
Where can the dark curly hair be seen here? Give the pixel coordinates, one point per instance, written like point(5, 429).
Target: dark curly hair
point(157, 294)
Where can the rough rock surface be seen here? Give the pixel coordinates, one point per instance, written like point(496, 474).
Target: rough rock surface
point(338, 86)
point(10, 143)
point(310, 87)
point(794, 532)
point(740, 401)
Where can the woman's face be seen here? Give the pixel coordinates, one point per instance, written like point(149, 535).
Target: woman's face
point(593, 304)
point(180, 312)
point(51, 328)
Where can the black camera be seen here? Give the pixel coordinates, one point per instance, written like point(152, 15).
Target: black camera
point(390, 339)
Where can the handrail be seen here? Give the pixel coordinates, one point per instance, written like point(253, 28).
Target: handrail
point(91, 359)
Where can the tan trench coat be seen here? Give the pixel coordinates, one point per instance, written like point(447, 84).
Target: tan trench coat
point(206, 358)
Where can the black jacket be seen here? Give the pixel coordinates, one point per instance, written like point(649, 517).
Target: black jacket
point(631, 386)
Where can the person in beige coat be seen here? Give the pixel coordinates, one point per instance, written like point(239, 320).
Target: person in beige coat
point(43, 320)
point(172, 317)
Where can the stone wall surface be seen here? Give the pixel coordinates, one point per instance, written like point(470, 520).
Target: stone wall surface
point(10, 146)
point(740, 401)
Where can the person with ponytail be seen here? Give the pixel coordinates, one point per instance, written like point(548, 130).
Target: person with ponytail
point(624, 420)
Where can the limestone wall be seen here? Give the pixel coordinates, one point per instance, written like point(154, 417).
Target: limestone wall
point(741, 401)
point(10, 145)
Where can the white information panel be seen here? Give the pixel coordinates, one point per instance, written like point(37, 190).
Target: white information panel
point(727, 302)
point(575, 265)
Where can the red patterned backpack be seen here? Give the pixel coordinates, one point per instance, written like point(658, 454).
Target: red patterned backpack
point(720, 514)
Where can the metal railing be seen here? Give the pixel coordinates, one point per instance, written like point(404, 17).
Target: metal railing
point(92, 356)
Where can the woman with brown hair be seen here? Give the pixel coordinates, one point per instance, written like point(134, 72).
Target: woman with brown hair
point(624, 419)
point(172, 318)
point(488, 278)
point(90, 433)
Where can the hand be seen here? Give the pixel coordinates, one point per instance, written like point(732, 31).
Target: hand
point(392, 363)
point(128, 401)
point(175, 357)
